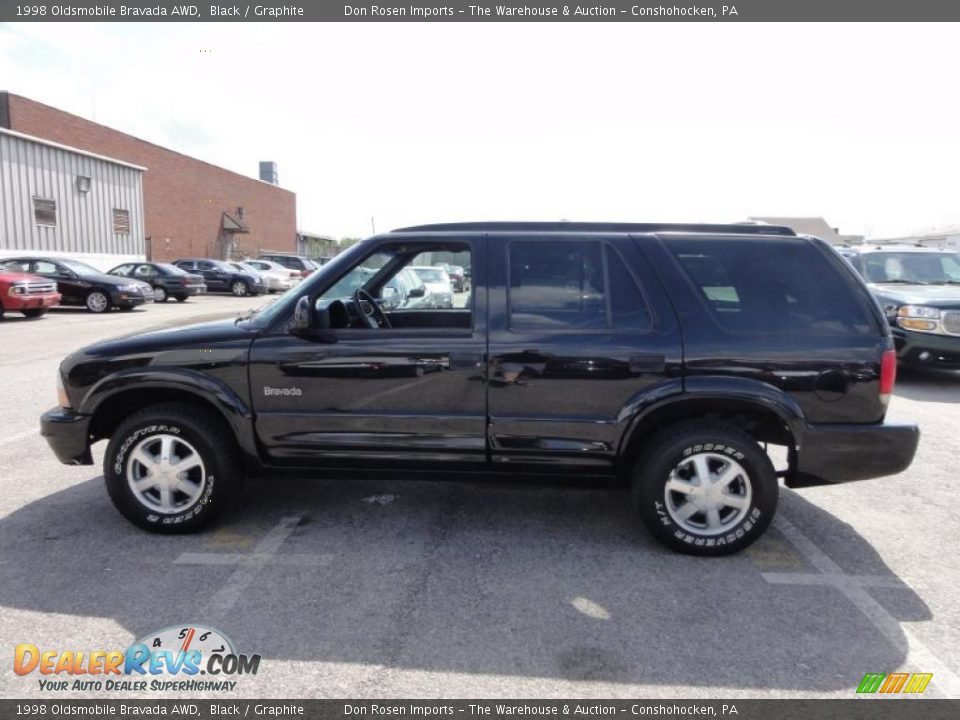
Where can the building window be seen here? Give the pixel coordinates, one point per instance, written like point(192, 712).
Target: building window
point(121, 222)
point(45, 211)
point(83, 183)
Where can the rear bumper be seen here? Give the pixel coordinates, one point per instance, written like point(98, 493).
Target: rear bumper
point(833, 454)
point(938, 350)
point(68, 435)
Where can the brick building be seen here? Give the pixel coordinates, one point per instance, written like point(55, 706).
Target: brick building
point(190, 207)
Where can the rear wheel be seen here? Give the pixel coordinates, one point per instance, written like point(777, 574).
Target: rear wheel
point(1, 311)
point(705, 488)
point(172, 468)
point(97, 301)
point(35, 312)
point(181, 298)
point(239, 288)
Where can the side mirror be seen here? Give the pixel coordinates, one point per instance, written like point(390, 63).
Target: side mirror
point(302, 316)
point(417, 292)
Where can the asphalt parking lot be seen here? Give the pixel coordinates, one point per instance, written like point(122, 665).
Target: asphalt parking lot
point(412, 588)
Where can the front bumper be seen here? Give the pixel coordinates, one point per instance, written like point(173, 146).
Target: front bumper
point(941, 350)
point(833, 454)
point(129, 298)
point(30, 302)
point(68, 435)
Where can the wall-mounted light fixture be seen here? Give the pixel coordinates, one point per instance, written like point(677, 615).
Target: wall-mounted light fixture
point(83, 183)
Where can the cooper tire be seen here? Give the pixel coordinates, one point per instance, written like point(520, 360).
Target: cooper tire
point(140, 461)
point(97, 301)
point(721, 516)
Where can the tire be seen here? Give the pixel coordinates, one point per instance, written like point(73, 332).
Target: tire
point(190, 433)
point(126, 308)
point(666, 480)
point(97, 301)
point(35, 312)
point(160, 294)
point(181, 298)
point(239, 288)
point(1, 311)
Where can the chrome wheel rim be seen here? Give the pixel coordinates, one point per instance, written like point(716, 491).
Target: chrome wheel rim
point(166, 474)
point(239, 288)
point(97, 302)
point(159, 294)
point(708, 493)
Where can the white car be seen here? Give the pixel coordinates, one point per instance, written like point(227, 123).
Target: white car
point(277, 277)
point(439, 287)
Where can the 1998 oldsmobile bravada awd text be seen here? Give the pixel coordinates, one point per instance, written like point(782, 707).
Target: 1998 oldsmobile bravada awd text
point(667, 354)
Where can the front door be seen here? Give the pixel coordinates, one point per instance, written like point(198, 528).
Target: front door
point(407, 391)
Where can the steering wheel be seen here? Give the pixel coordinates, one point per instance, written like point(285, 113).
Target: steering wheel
point(376, 318)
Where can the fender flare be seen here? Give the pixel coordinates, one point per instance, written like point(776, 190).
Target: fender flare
point(712, 387)
point(233, 408)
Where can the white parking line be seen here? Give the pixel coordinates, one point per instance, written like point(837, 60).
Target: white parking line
point(919, 656)
point(248, 565)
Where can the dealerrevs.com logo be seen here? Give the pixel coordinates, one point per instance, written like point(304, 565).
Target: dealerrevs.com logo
point(175, 659)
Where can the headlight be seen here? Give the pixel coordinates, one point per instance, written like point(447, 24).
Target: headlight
point(919, 318)
point(62, 398)
point(17, 290)
point(128, 288)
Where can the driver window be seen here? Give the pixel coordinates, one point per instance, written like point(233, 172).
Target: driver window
point(429, 289)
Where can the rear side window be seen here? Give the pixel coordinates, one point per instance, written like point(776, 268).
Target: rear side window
point(573, 285)
point(781, 286)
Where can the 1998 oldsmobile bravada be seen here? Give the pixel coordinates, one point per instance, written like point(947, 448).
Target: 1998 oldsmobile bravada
point(667, 354)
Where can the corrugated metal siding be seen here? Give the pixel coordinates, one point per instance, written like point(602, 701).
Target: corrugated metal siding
point(84, 220)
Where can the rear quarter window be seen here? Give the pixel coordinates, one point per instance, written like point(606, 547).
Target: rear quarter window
point(771, 286)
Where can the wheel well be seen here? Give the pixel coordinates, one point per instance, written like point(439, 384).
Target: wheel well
point(115, 409)
point(763, 424)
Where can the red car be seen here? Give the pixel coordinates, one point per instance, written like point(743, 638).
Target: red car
point(29, 294)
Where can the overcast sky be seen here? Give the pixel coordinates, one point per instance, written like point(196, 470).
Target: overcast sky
point(413, 123)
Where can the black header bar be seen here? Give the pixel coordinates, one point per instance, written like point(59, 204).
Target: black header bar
point(481, 11)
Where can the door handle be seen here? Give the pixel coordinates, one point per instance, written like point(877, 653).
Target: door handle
point(465, 360)
point(647, 362)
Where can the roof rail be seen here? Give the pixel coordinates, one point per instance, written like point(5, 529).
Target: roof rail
point(727, 229)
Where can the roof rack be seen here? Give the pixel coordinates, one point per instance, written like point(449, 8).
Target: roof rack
point(727, 229)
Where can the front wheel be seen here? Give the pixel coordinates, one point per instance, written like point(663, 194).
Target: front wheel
point(97, 301)
point(239, 288)
point(705, 488)
point(160, 294)
point(172, 468)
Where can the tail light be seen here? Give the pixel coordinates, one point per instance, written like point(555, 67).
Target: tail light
point(184, 281)
point(296, 273)
point(888, 375)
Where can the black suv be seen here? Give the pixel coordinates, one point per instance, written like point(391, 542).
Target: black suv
point(668, 355)
point(918, 289)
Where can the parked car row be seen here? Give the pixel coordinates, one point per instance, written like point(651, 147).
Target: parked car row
point(32, 285)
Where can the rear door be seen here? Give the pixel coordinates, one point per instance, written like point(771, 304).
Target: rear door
point(581, 334)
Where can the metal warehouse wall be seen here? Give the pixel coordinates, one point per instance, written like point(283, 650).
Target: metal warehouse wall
point(30, 169)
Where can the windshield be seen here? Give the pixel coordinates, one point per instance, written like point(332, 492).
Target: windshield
point(79, 267)
point(431, 275)
point(912, 267)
